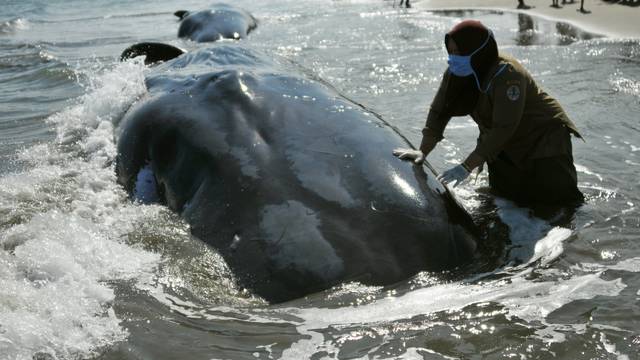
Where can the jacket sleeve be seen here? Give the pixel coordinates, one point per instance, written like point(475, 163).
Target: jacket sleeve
point(437, 118)
point(508, 93)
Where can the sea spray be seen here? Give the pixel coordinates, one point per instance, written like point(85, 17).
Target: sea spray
point(64, 221)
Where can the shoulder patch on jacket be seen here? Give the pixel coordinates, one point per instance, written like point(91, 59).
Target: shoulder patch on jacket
point(513, 92)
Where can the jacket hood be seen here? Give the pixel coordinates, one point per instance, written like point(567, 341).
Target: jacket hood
point(462, 92)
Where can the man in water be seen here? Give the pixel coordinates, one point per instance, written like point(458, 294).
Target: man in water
point(524, 132)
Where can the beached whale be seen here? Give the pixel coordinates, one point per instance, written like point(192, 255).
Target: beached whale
point(221, 21)
point(294, 184)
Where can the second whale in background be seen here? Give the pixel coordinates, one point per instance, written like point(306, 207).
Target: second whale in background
point(222, 21)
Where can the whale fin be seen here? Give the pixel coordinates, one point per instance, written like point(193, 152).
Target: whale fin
point(154, 52)
point(181, 14)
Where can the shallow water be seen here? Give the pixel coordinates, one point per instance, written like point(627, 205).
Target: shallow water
point(84, 273)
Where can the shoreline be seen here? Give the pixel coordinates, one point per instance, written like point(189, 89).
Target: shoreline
point(611, 20)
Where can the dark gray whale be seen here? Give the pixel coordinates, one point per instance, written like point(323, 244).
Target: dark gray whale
point(222, 21)
point(295, 185)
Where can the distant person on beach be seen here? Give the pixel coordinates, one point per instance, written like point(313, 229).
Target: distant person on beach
point(564, 2)
point(522, 5)
point(582, 9)
point(524, 132)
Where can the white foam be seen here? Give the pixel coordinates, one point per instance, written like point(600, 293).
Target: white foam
point(625, 85)
point(532, 239)
point(527, 300)
point(583, 169)
point(64, 219)
point(13, 25)
point(630, 265)
point(611, 348)
point(52, 287)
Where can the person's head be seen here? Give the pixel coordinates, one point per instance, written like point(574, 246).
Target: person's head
point(467, 38)
point(470, 38)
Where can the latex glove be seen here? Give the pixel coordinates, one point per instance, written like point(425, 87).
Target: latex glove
point(409, 154)
point(457, 173)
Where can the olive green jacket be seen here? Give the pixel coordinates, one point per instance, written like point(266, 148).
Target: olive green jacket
point(514, 116)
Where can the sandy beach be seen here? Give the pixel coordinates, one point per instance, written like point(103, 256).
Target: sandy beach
point(609, 19)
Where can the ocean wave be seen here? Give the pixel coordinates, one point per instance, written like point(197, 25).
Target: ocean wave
point(110, 16)
point(14, 25)
point(625, 85)
point(64, 219)
point(21, 56)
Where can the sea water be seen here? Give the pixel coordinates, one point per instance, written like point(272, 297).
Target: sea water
point(85, 273)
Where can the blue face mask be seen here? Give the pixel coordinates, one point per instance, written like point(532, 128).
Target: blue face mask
point(460, 65)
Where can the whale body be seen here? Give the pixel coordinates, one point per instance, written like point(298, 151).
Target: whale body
point(221, 21)
point(294, 184)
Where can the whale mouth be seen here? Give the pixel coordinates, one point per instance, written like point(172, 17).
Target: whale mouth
point(145, 189)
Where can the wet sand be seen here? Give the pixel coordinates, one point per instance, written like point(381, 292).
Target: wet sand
point(612, 20)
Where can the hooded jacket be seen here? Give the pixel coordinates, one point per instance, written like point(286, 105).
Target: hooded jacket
point(515, 116)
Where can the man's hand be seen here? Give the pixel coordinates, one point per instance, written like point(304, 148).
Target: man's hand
point(457, 173)
point(409, 154)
